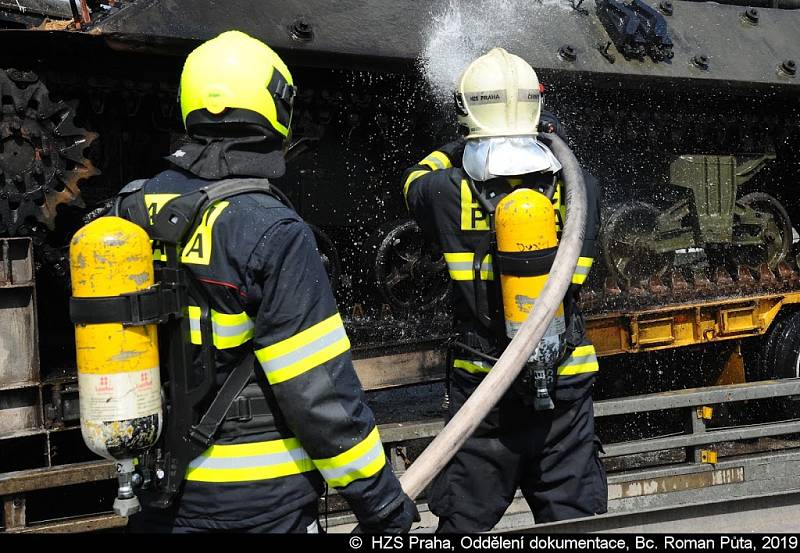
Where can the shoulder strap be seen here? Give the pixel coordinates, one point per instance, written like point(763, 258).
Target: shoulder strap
point(485, 246)
point(205, 430)
point(180, 215)
point(135, 209)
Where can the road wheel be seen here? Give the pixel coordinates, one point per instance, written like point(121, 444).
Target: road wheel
point(780, 358)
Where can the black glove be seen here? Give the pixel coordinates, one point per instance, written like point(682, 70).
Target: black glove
point(548, 122)
point(396, 521)
point(454, 151)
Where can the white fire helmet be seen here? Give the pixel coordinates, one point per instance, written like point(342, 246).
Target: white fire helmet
point(499, 101)
point(499, 95)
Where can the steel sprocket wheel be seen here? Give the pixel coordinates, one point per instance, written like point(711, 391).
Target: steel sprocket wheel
point(41, 153)
point(625, 244)
point(410, 278)
point(776, 236)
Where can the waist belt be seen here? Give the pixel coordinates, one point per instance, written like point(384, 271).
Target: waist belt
point(245, 408)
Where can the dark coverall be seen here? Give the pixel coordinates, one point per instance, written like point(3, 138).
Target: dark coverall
point(303, 420)
point(551, 455)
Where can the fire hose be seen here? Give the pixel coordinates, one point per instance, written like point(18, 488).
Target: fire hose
point(513, 359)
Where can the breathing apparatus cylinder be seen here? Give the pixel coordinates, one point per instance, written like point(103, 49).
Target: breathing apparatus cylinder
point(526, 244)
point(118, 364)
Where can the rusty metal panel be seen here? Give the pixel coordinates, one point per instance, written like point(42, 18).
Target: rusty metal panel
point(19, 411)
point(675, 483)
point(19, 356)
point(19, 359)
point(400, 369)
point(412, 430)
point(14, 512)
point(54, 8)
point(79, 524)
point(53, 477)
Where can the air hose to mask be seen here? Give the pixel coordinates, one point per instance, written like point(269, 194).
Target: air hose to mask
point(513, 359)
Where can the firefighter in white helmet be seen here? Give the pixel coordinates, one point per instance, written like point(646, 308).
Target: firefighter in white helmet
point(541, 435)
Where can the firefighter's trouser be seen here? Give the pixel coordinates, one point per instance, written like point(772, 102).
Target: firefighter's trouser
point(300, 521)
point(551, 455)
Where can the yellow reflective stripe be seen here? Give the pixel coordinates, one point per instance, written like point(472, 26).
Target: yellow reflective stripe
point(582, 270)
point(583, 360)
point(154, 203)
point(249, 462)
point(472, 215)
point(197, 250)
point(459, 265)
point(478, 367)
point(250, 449)
point(437, 160)
point(579, 369)
point(413, 176)
point(229, 330)
point(305, 350)
point(582, 351)
point(559, 208)
point(578, 279)
point(372, 468)
point(301, 338)
point(363, 460)
point(459, 256)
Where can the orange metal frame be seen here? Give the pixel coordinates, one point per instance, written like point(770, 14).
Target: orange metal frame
point(685, 324)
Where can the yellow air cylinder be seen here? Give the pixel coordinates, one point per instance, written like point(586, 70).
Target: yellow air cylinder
point(118, 366)
point(526, 233)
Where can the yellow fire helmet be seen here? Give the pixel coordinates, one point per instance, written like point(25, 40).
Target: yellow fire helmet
point(499, 95)
point(235, 78)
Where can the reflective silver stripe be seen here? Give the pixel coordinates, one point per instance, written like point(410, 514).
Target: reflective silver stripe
point(365, 459)
point(436, 161)
point(225, 331)
point(459, 265)
point(580, 360)
point(528, 95)
point(487, 97)
point(250, 461)
point(302, 352)
point(467, 266)
point(582, 270)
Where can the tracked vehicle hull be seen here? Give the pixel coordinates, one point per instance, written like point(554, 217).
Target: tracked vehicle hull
point(687, 264)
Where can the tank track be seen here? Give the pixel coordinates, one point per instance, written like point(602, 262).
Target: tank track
point(702, 284)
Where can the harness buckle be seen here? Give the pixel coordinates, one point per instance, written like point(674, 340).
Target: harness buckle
point(240, 410)
point(201, 437)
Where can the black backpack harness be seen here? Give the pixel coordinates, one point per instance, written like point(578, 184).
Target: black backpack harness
point(189, 431)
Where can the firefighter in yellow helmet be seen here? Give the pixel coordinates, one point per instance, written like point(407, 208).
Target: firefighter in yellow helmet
point(301, 421)
point(486, 203)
